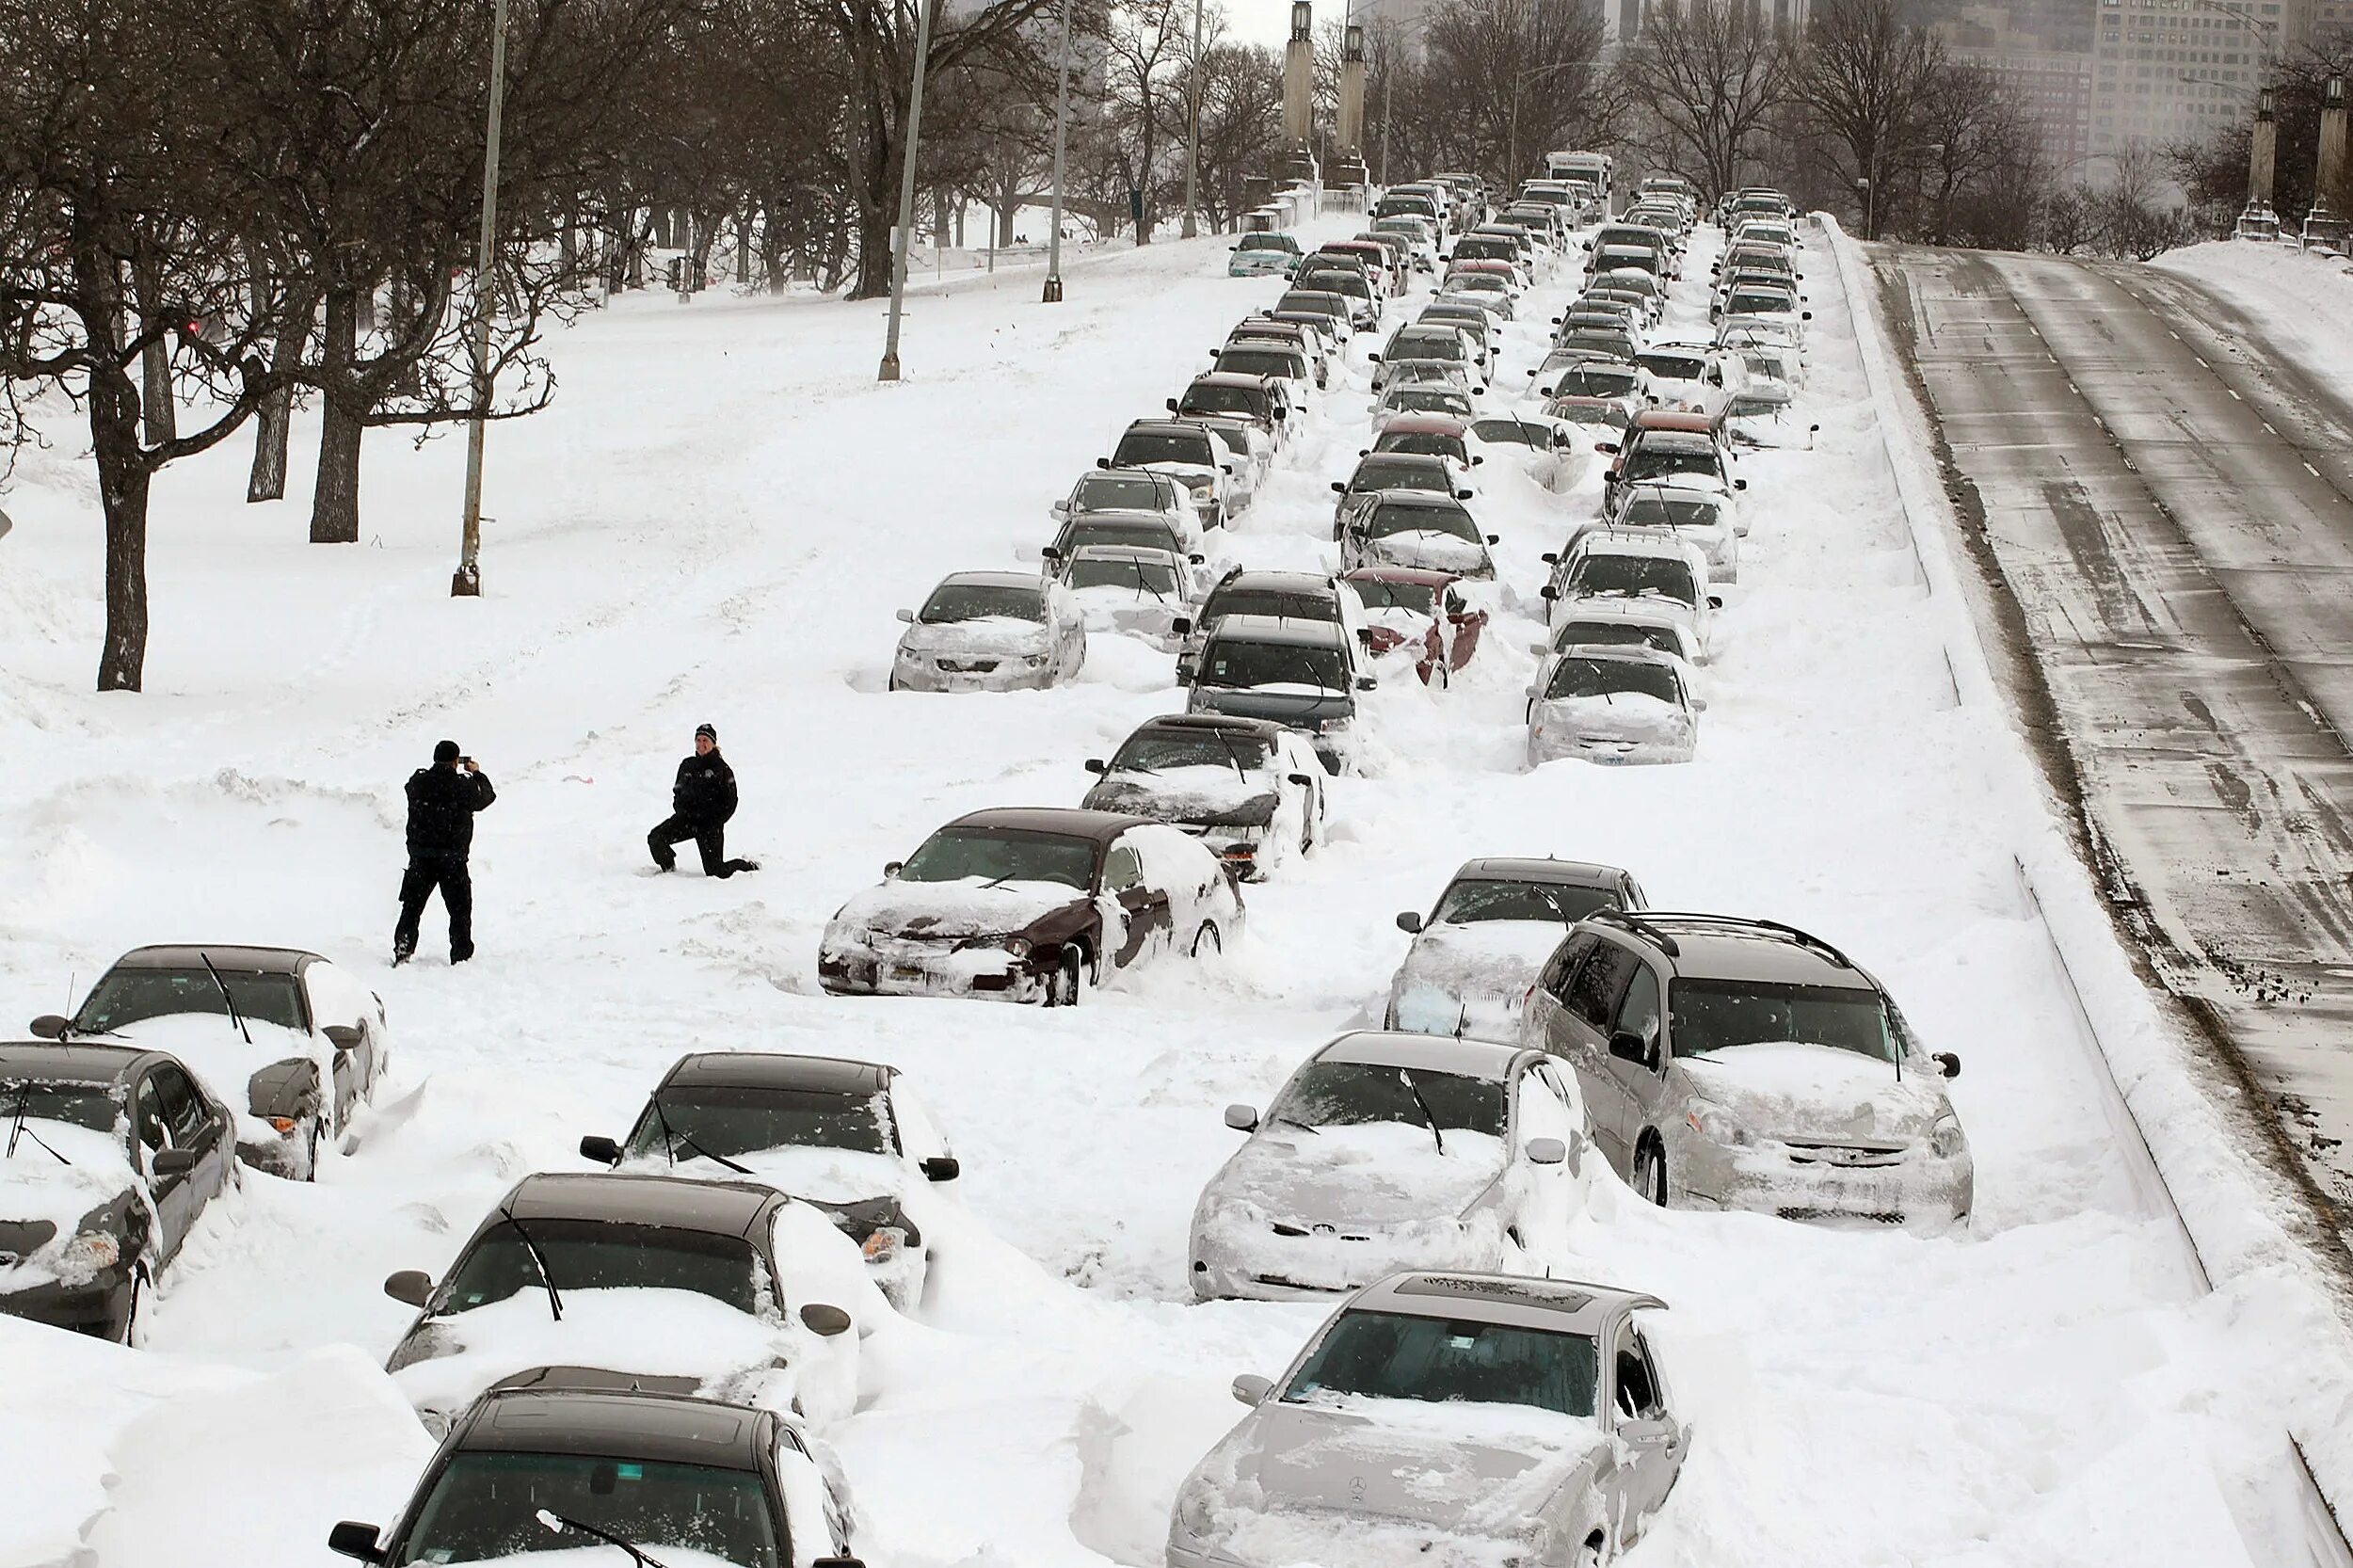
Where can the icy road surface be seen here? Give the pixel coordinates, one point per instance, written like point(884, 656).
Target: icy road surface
point(715, 523)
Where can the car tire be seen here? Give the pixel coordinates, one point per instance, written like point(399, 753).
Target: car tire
point(1069, 982)
point(1650, 1174)
point(1441, 677)
point(311, 1152)
point(1207, 943)
point(892, 683)
point(135, 1316)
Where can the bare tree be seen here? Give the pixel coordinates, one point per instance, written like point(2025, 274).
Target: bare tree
point(1144, 54)
point(1710, 75)
point(1864, 76)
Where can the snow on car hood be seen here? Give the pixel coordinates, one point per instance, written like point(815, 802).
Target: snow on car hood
point(1208, 794)
point(1452, 969)
point(1788, 1088)
point(1363, 1480)
point(654, 1333)
point(1379, 1176)
point(985, 634)
point(1625, 716)
point(212, 1048)
point(966, 907)
point(1430, 550)
point(36, 1190)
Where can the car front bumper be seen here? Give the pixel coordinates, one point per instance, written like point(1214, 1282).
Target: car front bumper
point(1609, 753)
point(101, 1306)
point(1011, 673)
point(881, 966)
point(1918, 1191)
point(1233, 1258)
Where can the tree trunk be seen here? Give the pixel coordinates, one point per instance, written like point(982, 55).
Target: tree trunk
point(158, 405)
point(266, 480)
point(744, 244)
point(335, 496)
point(122, 485)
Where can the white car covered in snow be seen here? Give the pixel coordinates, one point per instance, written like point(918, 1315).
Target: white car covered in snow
point(1387, 1151)
point(1444, 1420)
point(1704, 518)
point(848, 1138)
point(1251, 790)
point(1133, 491)
point(1613, 704)
point(725, 1288)
point(990, 632)
point(1475, 954)
point(1133, 591)
point(1633, 569)
point(1417, 529)
point(1030, 904)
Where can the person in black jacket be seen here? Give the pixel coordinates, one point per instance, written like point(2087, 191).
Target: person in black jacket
point(701, 801)
point(442, 800)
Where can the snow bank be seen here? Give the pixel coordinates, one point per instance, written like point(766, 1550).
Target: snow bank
point(2300, 303)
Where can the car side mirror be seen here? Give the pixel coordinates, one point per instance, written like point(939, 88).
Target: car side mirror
point(1051, 553)
point(1182, 625)
point(1495, 538)
point(1805, 316)
point(171, 1162)
point(891, 868)
point(1196, 558)
point(906, 616)
point(342, 1036)
point(1544, 392)
point(1172, 405)
point(1715, 601)
point(410, 1286)
point(1609, 447)
point(1242, 1118)
point(1373, 357)
point(1477, 460)
point(1462, 495)
point(1549, 591)
point(1409, 922)
point(1102, 462)
point(1367, 684)
point(49, 1026)
point(1740, 483)
point(839, 1562)
point(353, 1539)
point(1628, 1047)
point(1546, 1151)
point(1097, 765)
point(1250, 1388)
point(823, 1319)
point(604, 1151)
point(1950, 1063)
point(1058, 509)
point(1184, 675)
point(1338, 488)
point(1478, 391)
point(941, 1167)
point(1300, 778)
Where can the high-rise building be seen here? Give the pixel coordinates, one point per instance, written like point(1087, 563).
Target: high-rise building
point(2175, 71)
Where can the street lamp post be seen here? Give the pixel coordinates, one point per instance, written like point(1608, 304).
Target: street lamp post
point(890, 371)
point(1062, 137)
point(467, 581)
point(1512, 157)
point(1193, 129)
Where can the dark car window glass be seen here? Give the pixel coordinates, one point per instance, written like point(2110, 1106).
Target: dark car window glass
point(1256, 362)
point(85, 1105)
point(1426, 444)
point(747, 1120)
point(1633, 576)
point(486, 1506)
point(1717, 1014)
point(1616, 634)
point(1576, 677)
point(1425, 400)
point(1655, 510)
point(1148, 578)
point(1270, 601)
point(183, 1108)
point(1388, 519)
point(1269, 242)
point(126, 997)
point(1357, 1094)
point(1373, 475)
point(589, 1254)
point(1595, 381)
point(1240, 663)
point(1338, 279)
point(958, 601)
point(1315, 303)
point(1593, 990)
point(1759, 304)
point(1108, 492)
point(1476, 899)
point(997, 855)
point(1654, 459)
point(1420, 598)
point(1156, 751)
point(1391, 1355)
point(151, 1114)
point(1138, 532)
point(1637, 1014)
point(1611, 415)
point(1223, 400)
point(1675, 367)
point(1427, 346)
point(1517, 432)
point(1561, 967)
point(1165, 446)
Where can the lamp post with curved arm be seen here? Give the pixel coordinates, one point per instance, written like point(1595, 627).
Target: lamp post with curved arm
point(1511, 156)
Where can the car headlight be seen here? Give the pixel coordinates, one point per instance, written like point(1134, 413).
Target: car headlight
point(1717, 1126)
point(1944, 1139)
point(884, 1243)
point(1193, 1509)
point(89, 1253)
point(1202, 487)
point(1016, 947)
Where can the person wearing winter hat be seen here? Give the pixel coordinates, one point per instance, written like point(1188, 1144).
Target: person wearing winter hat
point(701, 801)
point(442, 800)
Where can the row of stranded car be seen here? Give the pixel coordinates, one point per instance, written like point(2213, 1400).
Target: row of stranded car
point(633, 1356)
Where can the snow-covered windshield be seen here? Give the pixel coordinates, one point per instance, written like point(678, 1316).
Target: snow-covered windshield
point(485, 1506)
point(1268, 242)
point(1656, 509)
point(1420, 598)
point(1574, 676)
point(1425, 400)
point(1475, 899)
point(1519, 432)
point(1237, 662)
point(1717, 1014)
point(1135, 533)
point(1487, 247)
point(1374, 473)
point(1477, 282)
point(1199, 399)
point(1759, 305)
point(1314, 301)
point(593, 1254)
point(1156, 578)
point(1392, 1355)
point(1358, 1093)
point(1120, 492)
point(1002, 855)
point(1338, 279)
point(125, 997)
point(1165, 446)
point(1611, 415)
point(1616, 634)
point(1269, 601)
point(747, 1120)
point(1413, 344)
point(955, 601)
point(1656, 458)
point(1260, 362)
point(1426, 444)
point(1592, 380)
point(1390, 518)
point(1157, 751)
point(1674, 367)
point(88, 1105)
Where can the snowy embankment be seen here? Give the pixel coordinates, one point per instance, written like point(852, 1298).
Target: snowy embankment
point(2302, 301)
point(714, 523)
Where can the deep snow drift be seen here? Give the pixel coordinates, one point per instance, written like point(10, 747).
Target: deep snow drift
point(714, 523)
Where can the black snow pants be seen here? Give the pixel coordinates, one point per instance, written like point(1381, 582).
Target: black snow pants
point(710, 841)
point(448, 874)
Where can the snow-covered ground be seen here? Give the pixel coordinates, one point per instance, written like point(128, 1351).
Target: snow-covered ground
point(2303, 300)
point(715, 523)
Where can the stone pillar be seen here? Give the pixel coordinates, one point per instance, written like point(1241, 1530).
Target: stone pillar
point(2259, 222)
point(1351, 126)
point(2324, 224)
point(1299, 77)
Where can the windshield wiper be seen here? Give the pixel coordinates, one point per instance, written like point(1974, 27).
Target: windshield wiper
point(538, 1261)
point(18, 1129)
point(1314, 677)
point(672, 1142)
point(1415, 1089)
point(234, 1016)
point(555, 1521)
point(1294, 1121)
point(1232, 755)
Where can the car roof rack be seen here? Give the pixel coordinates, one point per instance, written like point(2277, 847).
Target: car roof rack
point(1804, 938)
point(1640, 926)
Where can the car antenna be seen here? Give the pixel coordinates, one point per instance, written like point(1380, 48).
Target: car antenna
point(555, 1521)
point(538, 1261)
point(234, 1016)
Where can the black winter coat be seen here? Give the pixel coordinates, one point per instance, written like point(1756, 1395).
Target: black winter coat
point(705, 791)
point(442, 803)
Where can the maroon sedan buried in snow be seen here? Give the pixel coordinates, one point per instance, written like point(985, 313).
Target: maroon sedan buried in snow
point(1030, 904)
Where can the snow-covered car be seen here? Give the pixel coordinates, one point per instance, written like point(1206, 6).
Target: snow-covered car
point(1439, 342)
point(1263, 255)
point(1131, 591)
point(1340, 310)
point(1443, 1421)
point(1475, 954)
point(1589, 376)
point(1297, 672)
point(1285, 363)
point(1761, 415)
point(1186, 454)
point(1684, 374)
point(1468, 315)
point(1130, 490)
point(283, 1033)
point(1410, 528)
point(1114, 530)
point(587, 1471)
point(1422, 612)
point(110, 1153)
point(848, 1138)
point(1387, 1151)
point(1248, 451)
point(990, 632)
point(1414, 397)
point(1634, 569)
point(1292, 595)
point(1614, 705)
point(1426, 435)
point(1705, 518)
point(728, 1289)
point(1260, 399)
point(1587, 421)
point(1249, 789)
point(1306, 339)
point(1385, 472)
point(1619, 623)
point(1030, 904)
point(1539, 448)
point(1734, 1063)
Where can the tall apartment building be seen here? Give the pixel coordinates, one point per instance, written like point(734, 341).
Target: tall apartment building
point(2055, 84)
point(2175, 71)
point(1622, 20)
